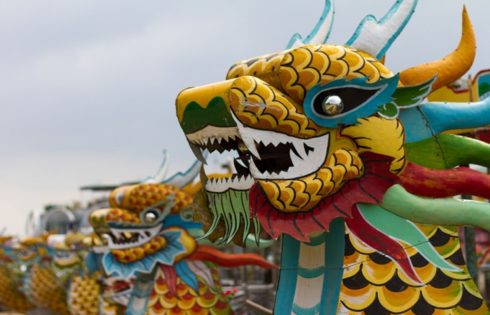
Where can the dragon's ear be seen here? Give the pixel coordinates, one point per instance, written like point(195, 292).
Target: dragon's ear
point(411, 96)
point(406, 97)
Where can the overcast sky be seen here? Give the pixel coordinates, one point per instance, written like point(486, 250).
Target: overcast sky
point(87, 88)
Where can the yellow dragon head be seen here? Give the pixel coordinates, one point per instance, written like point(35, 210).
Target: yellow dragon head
point(301, 123)
point(147, 223)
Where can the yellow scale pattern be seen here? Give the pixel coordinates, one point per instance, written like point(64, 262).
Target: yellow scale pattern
point(305, 193)
point(139, 197)
point(373, 284)
point(11, 298)
point(46, 291)
point(84, 296)
point(187, 301)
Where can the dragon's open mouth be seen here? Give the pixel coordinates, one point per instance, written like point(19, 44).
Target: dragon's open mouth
point(120, 238)
point(258, 154)
point(225, 142)
point(275, 155)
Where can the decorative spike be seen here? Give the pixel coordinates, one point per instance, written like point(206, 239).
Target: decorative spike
point(321, 31)
point(449, 68)
point(183, 179)
point(376, 37)
point(162, 171)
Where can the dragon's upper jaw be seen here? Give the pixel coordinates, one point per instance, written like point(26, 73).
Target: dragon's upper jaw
point(123, 238)
point(276, 155)
point(258, 154)
point(224, 141)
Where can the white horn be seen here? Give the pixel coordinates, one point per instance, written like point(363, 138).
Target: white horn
point(183, 179)
point(321, 31)
point(163, 170)
point(376, 37)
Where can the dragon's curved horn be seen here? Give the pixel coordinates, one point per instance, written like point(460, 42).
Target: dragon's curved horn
point(376, 37)
point(183, 179)
point(449, 68)
point(163, 170)
point(321, 31)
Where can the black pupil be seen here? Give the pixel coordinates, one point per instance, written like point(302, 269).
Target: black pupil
point(351, 98)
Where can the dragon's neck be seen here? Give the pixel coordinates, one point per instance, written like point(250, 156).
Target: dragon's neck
point(311, 273)
point(142, 288)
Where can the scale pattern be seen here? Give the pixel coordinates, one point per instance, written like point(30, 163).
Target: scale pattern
point(373, 284)
point(45, 290)
point(84, 296)
point(11, 298)
point(186, 301)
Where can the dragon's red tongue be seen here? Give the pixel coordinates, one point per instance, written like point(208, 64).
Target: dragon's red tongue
point(370, 188)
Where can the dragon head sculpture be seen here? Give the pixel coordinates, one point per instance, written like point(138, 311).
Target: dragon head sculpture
point(147, 223)
point(301, 123)
point(322, 134)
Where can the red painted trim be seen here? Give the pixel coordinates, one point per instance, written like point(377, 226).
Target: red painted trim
point(208, 253)
point(422, 181)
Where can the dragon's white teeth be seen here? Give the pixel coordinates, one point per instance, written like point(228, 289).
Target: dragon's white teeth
point(144, 235)
point(307, 156)
point(209, 135)
point(237, 182)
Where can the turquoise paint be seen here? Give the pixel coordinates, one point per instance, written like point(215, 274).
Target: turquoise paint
point(186, 274)
point(334, 267)
point(405, 231)
point(332, 272)
point(140, 294)
point(311, 273)
point(326, 11)
point(430, 119)
point(288, 276)
point(314, 310)
point(384, 90)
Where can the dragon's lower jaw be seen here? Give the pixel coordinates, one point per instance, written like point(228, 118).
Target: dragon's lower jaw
point(132, 254)
point(124, 238)
point(257, 155)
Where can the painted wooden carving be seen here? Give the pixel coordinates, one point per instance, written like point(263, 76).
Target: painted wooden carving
point(150, 236)
point(332, 152)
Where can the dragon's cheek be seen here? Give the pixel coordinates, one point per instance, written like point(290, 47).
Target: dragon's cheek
point(304, 193)
point(188, 242)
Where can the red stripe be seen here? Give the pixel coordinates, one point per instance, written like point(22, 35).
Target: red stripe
point(207, 253)
point(381, 243)
point(422, 181)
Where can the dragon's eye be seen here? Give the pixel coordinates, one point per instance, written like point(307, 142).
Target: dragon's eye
point(151, 215)
point(343, 102)
point(332, 105)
